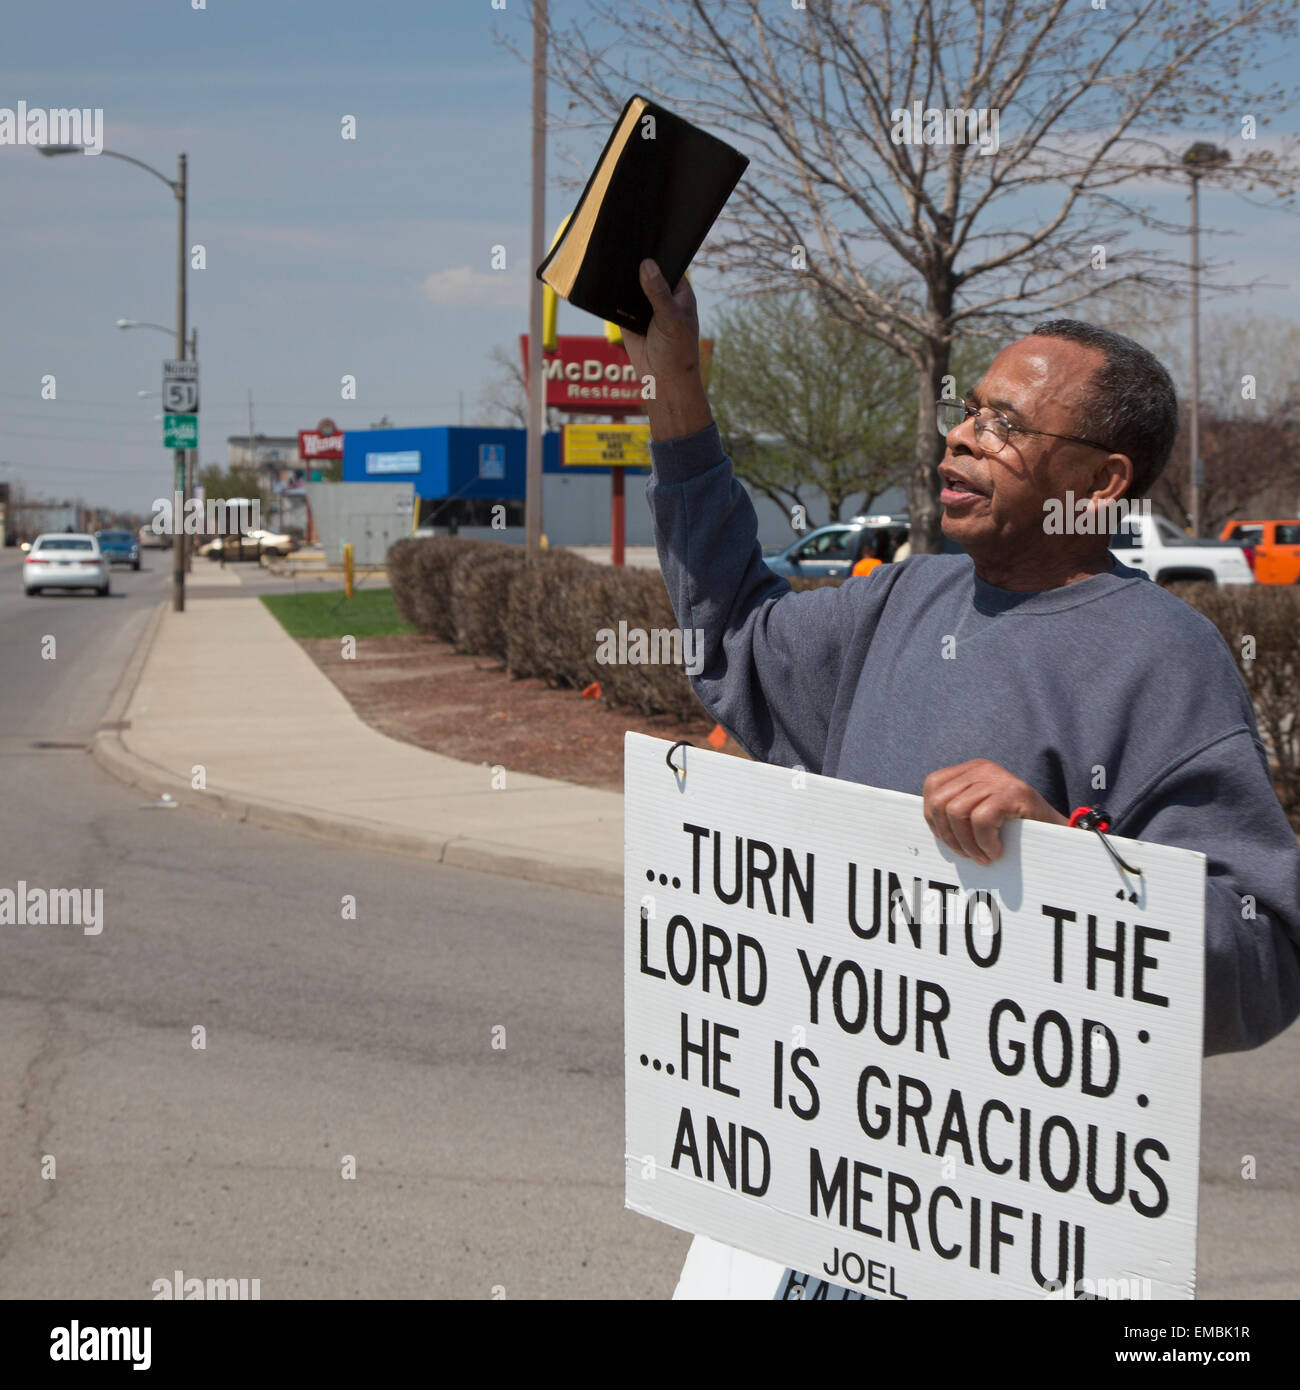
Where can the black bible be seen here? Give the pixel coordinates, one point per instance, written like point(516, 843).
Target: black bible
point(657, 188)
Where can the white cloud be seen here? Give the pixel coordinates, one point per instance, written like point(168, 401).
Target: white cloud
point(491, 289)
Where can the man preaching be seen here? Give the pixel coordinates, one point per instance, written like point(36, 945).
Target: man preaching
point(1010, 682)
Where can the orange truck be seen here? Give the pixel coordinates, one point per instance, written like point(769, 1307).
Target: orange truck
point(1275, 546)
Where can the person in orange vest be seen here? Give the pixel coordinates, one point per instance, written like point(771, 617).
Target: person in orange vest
point(880, 552)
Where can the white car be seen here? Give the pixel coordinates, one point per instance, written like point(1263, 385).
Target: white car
point(249, 545)
point(65, 560)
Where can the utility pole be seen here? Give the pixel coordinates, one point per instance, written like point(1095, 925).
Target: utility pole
point(178, 531)
point(1194, 439)
point(1199, 157)
point(178, 188)
point(536, 366)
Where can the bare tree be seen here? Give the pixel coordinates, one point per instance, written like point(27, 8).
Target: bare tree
point(1251, 469)
point(1250, 368)
point(504, 400)
point(992, 161)
point(804, 401)
point(1250, 411)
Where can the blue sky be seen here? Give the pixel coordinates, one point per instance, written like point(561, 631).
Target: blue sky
point(318, 249)
point(324, 256)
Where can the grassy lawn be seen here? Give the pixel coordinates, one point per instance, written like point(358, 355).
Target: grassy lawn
point(368, 613)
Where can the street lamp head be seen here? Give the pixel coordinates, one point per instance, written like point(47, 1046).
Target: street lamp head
point(125, 323)
point(1203, 155)
point(48, 150)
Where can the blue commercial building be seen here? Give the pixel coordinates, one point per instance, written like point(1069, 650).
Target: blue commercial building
point(461, 473)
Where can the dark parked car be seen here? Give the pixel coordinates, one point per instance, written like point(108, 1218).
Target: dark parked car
point(830, 552)
point(119, 548)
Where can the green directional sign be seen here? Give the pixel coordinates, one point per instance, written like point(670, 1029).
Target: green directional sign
point(180, 431)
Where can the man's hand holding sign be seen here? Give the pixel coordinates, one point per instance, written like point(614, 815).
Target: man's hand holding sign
point(968, 804)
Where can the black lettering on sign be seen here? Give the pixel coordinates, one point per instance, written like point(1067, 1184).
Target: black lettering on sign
point(1143, 962)
point(646, 967)
point(702, 1050)
point(1113, 954)
point(1161, 1203)
point(751, 866)
point(1059, 916)
point(709, 959)
point(742, 1154)
point(852, 1005)
point(800, 1058)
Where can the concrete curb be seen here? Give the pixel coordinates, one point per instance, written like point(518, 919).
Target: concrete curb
point(110, 751)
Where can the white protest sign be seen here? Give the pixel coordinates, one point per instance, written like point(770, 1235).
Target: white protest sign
point(857, 1054)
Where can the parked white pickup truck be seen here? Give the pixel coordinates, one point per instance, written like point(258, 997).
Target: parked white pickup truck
point(1159, 549)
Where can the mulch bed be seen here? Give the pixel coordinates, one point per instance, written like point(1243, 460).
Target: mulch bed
point(423, 692)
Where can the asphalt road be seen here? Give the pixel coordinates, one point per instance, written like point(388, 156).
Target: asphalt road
point(478, 1168)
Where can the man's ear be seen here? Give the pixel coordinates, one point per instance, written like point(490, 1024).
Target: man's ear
point(1113, 478)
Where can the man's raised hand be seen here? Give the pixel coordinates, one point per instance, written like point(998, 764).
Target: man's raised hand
point(669, 355)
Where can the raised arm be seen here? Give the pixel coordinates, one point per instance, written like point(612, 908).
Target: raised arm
point(770, 658)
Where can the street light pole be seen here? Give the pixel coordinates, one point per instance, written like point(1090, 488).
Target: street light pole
point(170, 332)
point(178, 188)
point(178, 532)
point(536, 366)
point(1199, 157)
point(1195, 433)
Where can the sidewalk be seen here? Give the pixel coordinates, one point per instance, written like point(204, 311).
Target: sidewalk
point(224, 687)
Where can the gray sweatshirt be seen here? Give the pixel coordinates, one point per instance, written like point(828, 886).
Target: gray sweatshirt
point(921, 665)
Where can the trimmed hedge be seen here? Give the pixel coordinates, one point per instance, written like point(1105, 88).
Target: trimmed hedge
point(550, 619)
point(546, 621)
point(419, 573)
point(400, 566)
point(659, 685)
point(1261, 625)
point(478, 583)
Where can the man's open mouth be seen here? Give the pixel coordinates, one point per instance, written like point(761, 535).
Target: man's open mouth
point(956, 487)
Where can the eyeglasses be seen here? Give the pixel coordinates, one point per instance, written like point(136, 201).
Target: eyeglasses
point(950, 414)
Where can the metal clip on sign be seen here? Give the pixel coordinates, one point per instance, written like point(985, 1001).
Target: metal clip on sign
point(1094, 818)
point(678, 772)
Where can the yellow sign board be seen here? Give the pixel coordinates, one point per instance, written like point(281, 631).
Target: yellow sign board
point(625, 445)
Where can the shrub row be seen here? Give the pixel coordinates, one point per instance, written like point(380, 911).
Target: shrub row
point(543, 620)
point(546, 621)
point(1261, 625)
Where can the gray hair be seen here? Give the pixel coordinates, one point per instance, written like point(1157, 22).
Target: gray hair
point(1134, 406)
